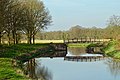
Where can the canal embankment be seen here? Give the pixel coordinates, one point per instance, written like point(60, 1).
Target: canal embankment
point(112, 49)
point(27, 51)
point(7, 70)
point(14, 55)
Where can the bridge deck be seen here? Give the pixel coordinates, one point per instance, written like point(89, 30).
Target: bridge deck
point(85, 40)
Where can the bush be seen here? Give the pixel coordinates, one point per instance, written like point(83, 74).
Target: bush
point(111, 51)
point(109, 47)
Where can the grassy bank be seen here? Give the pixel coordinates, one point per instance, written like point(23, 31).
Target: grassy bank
point(7, 72)
point(78, 44)
point(112, 49)
point(15, 50)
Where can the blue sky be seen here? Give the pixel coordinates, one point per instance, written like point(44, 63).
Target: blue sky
point(86, 13)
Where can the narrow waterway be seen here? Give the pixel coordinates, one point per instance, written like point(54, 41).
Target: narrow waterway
point(61, 69)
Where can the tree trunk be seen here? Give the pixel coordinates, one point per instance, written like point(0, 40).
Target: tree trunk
point(0, 38)
point(33, 39)
point(14, 37)
point(29, 38)
point(8, 38)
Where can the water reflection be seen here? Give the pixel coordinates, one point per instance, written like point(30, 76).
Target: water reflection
point(54, 54)
point(114, 66)
point(80, 55)
point(42, 72)
point(34, 70)
point(64, 68)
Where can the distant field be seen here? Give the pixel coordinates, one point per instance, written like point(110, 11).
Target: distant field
point(44, 41)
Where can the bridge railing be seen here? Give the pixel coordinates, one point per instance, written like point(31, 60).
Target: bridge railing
point(85, 40)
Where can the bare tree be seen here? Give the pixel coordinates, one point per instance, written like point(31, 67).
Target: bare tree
point(37, 18)
point(5, 8)
point(114, 26)
point(114, 21)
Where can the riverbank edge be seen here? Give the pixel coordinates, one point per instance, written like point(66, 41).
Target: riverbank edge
point(7, 71)
point(19, 49)
point(112, 49)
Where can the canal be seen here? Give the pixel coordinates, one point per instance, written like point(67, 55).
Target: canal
point(61, 69)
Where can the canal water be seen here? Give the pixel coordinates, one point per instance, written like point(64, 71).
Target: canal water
point(61, 69)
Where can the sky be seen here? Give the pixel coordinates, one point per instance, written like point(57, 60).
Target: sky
point(86, 13)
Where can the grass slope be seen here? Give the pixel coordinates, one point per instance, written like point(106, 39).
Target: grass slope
point(7, 72)
point(111, 49)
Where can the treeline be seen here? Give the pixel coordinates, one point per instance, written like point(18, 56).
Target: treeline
point(74, 32)
point(81, 32)
point(111, 31)
point(22, 17)
point(25, 19)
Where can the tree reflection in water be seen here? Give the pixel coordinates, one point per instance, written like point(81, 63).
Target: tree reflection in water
point(36, 71)
point(42, 72)
point(114, 66)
